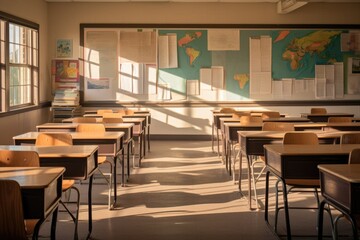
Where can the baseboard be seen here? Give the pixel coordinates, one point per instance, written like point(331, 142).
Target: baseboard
point(180, 137)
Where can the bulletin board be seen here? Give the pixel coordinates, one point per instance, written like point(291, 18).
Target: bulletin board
point(219, 63)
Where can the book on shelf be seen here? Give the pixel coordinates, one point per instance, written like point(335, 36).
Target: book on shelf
point(66, 97)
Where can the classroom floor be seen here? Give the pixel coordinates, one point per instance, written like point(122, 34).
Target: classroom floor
point(182, 191)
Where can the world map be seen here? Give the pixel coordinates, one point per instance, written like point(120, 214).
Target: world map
point(314, 43)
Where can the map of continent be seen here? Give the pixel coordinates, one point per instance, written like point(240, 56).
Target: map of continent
point(192, 54)
point(242, 78)
point(314, 43)
point(188, 38)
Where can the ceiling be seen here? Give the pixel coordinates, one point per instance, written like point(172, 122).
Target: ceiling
point(240, 1)
point(283, 6)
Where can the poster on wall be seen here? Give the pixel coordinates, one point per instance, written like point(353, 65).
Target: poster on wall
point(64, 48)
point(65, 73)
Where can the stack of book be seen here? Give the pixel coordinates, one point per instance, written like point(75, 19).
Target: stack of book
point(66, 97)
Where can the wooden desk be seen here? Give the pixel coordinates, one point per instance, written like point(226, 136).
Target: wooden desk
point(94, 111)
point(287, 119)
point(147, 117)
point(79, 161)
point(216, 127)
point(127, 128)
point(41, 189)
point(300, 162)
point(324, 117)
point(340, 186)
point(252, 144)
point(352, 126)
point(138, 129)
point(231, 132)
point(110, 145)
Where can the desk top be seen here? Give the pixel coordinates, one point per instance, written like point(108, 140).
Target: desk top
point(347, 172)
point(280, 134)
point(287, 119)
point(74, 125)
point(303, 150)
point(73, 151)
point(328, 114)
point(32, 177)
point(77, 135)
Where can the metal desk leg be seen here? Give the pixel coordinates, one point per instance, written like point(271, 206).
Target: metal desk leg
point(53, 223)
point(148, 138)
point(115, 183)
point(90, 205)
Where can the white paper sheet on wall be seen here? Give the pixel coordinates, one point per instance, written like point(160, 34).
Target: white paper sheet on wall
point(192, 88)
point(168, 51)
point(260, 65)
point(223, 39)
point(205, 79)
point(339, 79)
point(287, 87)
point(277, 89)
point(164, 92)
point(217, 77)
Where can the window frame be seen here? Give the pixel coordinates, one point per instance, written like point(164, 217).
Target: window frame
point(32, 63)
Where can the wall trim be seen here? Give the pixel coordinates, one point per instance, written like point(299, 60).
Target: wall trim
point(26, 109)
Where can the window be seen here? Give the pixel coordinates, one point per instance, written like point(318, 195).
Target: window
point(19, 62)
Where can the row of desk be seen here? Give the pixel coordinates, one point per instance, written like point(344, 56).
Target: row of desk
point(296, 161)
point(79, 160)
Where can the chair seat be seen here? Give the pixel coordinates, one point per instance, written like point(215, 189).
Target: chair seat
point(101, 160)
point(314, 183)
point(30, 226)
point(67, 184)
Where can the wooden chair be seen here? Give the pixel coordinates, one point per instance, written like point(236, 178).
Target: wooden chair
point(318, 111)
point(303, 138)
point(63, 139)
point(227, 110)
point(88, 127)
point(340, 119)
point(240, 114)
point(113, 115)
point(102, 111)
point(267, 126)
point(250, 119)
point(112, 120)
point(12, 224)
point(84, 120)
point(19, 159)
point(266, 115)
point(350, 138)
point(354, 158)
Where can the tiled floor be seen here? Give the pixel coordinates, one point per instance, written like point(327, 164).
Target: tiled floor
point(182, 191)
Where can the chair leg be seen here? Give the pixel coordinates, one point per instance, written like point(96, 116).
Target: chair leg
point(76, 217)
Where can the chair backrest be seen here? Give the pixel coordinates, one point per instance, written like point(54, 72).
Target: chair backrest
point(102, 111)
point(10, 158)
point(354, 157)
point(227, 110)
point(240, 114)
point(350, 138)
point(278, 126)
point(112, 120)
point(54, 139)
point(250, 119)
point(113, 115)
point(340, 119)
point(84, 120)
point(12, 224)
point(318, 111)
point(266, 115)
point(303, 138)
point(90, 127)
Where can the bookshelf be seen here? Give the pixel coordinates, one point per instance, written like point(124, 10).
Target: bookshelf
point(65, 104)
